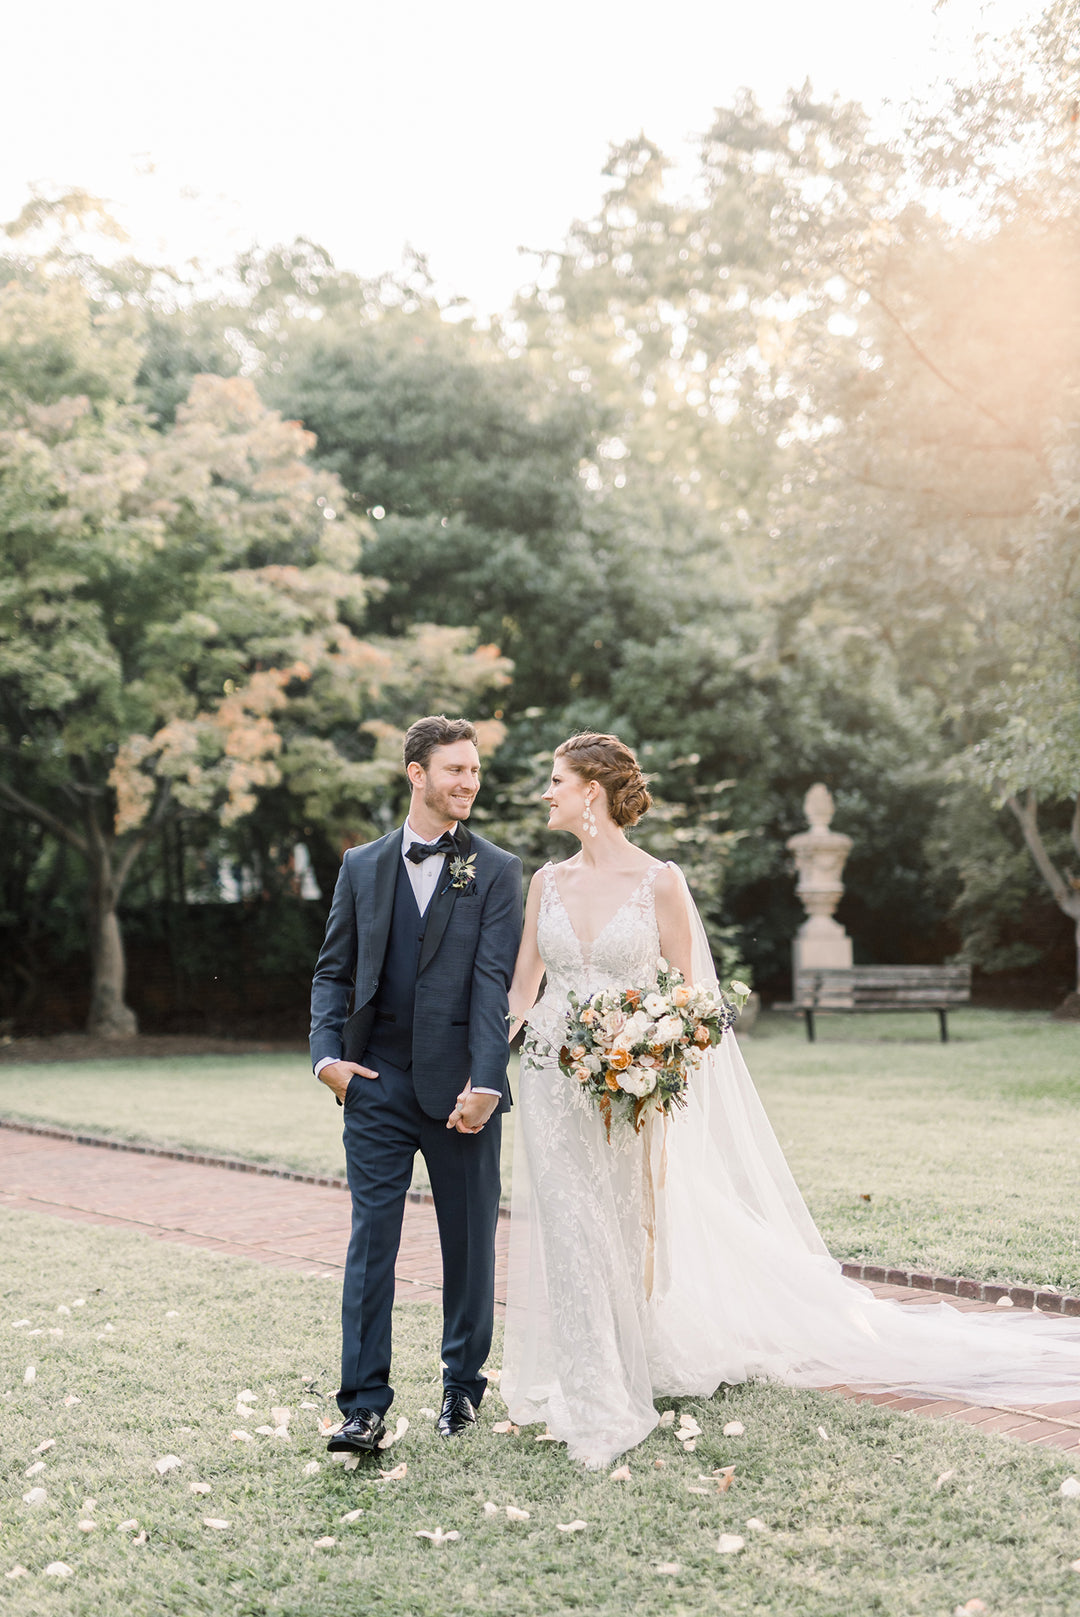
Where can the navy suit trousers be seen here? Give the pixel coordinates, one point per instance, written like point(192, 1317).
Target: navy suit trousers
point(384, 1129)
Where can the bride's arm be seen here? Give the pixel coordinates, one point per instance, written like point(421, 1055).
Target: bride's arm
point(673, 923)
point(529, 968)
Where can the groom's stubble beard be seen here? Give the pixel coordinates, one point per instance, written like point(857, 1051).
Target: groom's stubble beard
point(443, 807)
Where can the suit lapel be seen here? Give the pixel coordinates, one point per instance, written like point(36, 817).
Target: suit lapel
point(438, 913)
point(382, 898)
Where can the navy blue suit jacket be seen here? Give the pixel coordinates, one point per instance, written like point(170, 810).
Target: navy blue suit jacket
point(471, 939)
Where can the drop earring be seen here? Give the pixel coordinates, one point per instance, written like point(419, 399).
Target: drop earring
point(589, 819)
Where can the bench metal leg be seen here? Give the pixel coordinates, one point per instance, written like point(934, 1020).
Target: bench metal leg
point(810, 1026)
point(943, 1019)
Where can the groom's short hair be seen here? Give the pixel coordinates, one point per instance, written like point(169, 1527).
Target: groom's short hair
point(436, 730)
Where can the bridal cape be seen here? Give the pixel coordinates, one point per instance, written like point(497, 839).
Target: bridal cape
point(728, 1279)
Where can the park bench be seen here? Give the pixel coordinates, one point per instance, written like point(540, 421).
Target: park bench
point(882, 988)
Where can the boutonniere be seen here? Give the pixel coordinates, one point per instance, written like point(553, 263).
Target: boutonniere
point(463, 873)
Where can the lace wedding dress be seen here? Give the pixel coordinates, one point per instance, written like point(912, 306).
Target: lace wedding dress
point(672, 1261)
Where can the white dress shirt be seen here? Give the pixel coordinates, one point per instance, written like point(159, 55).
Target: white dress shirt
point(424, 879)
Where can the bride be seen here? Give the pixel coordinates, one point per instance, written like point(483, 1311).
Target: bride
point(670, 1261)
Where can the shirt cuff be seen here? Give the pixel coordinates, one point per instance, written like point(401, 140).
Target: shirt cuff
point(476, 1091)
point(327, 1061)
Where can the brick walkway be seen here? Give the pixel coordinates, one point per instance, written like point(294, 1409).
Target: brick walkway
point(301, 1226)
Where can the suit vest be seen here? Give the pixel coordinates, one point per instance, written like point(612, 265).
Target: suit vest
point(391, 1035)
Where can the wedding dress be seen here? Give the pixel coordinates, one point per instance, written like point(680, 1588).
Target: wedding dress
point(670, 1261)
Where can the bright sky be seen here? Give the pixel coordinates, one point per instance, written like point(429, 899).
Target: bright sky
point(468, 129)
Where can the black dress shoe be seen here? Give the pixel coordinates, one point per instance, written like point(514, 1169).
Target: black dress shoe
point(362, 1433)
point(458, 1414)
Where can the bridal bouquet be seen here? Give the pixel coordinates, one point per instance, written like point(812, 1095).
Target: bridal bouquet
point(633, 1048)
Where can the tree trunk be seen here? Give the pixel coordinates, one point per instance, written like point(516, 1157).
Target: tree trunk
point(110, 1017)
point(1066, 895)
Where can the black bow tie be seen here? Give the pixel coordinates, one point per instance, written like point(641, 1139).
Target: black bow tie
point(427, 850)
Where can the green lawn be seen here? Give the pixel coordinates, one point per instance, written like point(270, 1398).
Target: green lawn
point(852, 1519)
point(966, 1150)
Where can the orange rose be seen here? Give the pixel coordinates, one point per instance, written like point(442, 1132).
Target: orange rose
point(681, 996)
point(581, 1074)
point(577, 1052)
point(632, 998)
point(588, 1016)
point(611, 1080)
point(620, 1060)
point(701, 1034)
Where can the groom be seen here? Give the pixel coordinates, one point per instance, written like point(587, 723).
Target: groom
point(422, 936)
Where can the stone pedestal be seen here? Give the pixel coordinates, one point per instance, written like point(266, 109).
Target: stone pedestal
point(820, 855)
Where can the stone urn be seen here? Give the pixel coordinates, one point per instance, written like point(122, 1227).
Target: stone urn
point(820, 855)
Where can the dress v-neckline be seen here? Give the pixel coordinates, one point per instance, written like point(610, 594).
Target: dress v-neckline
point(586, 949)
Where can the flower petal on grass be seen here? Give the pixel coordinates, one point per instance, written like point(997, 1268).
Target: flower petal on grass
point(688, 1427)
point(659, 1464)
point(218, 1523)
point(35, 1470)
point(57, 1569)
point(491, 1509)
point(667, 1418)
point(946, 1476)
point(246, 1410)
point(438, 1537)
point(690, 1446)
point(128, 1526)
point(246, 1396)
point(397, 1474)
point(1070, 1488)
point(172, 1313)
point(17, 1325)
point(80, 1302)
point(756, 1525)
point(352, 1515)
point(326, 1543)
point(547, 1437)
point(307, 1404)
point(87, 1527)
point(62, 1308)
point(280, 1416)
point(265, 1431)
point(823, 1434)
point(571, 1527)
point(1074, 1566)
point(505, 1427)
point(328, 1425)
point(729, 1544)
point(29, 1376)
point(970, 1606)
point(70, 1401)
point(666, 1569)
point(17, 1572)
point(167, 1463)
point(513, 1514)
point(399, 1431)
point(312, 1468)
point(493, 1375)
point(43, 1448)
point(429, 1414)
point(36, 1496)
point(734, 1428)
point(621, 1474)
point(140, 1538)
point(238, 1435)
point(199, 1487)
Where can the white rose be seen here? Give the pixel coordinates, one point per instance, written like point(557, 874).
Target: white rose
point(636, 1081)
point(668, 1029)
point(740, 989)
point(613, 1023)
point(593, 1063)
point(655, 1004)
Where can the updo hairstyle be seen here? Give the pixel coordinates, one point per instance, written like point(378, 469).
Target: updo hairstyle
point(611, 763)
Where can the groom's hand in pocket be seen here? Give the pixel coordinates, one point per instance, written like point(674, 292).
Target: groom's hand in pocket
point(336, 1076)
point(471, 1111)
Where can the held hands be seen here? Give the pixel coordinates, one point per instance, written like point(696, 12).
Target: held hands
point(472, 1111)
point(336, 1076)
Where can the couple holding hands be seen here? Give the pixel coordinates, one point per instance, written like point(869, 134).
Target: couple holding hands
point(660, 1263)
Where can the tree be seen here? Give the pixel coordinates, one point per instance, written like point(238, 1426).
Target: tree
point(176, 613)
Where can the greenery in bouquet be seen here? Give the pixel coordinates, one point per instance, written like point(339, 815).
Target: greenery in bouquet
point(634, 1048)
